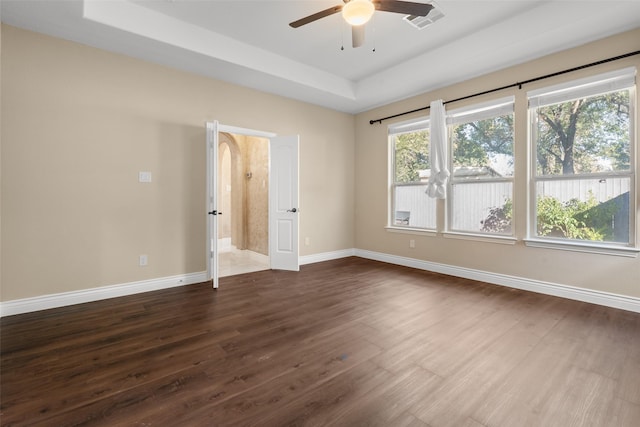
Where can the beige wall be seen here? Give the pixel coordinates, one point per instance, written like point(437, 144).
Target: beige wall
point(78, 124)
point(256, 151)
point(600, 272)
point(244, 200)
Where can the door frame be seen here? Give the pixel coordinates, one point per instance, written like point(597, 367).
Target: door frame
point(212, 155)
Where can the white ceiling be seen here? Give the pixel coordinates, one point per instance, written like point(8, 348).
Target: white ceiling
point(250, 42)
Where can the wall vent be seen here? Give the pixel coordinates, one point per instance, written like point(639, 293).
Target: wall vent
point(421, 22)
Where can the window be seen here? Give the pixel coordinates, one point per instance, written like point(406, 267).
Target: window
point(482, 166)
point(583, 161)
point(410, 207)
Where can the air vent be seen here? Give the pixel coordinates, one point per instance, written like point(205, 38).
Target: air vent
point(421, 22)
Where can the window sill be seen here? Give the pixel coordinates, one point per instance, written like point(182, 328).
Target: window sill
point(583, 247)
point(409, 230)
point(502, 240)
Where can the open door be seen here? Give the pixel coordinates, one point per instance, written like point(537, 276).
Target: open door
point(283, 203)
point(283, 198)
point(212, 203)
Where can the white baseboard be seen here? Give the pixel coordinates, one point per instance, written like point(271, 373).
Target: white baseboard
point(26, 305)
point(326, 256)
point(607, 299)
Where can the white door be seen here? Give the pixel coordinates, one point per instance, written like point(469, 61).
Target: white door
point(283, 203)
point(212, 203)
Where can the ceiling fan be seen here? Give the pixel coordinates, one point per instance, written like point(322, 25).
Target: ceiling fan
point(358, 12)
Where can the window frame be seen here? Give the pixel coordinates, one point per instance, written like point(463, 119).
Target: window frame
point(475, 112)
point(413, 125)
point(600, 84)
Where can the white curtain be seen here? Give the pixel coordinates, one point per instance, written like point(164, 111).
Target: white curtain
point(437, 186)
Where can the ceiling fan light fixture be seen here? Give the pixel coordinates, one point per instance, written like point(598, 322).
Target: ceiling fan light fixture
point(358, 12)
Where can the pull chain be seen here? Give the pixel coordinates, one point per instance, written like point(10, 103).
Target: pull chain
point(373, 25)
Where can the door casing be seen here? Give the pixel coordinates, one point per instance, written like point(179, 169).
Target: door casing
point(213, 129)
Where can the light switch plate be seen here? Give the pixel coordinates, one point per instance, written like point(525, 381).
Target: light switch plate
point(144, 177)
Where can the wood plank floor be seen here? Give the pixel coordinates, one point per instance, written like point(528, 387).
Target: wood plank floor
point(350, 342)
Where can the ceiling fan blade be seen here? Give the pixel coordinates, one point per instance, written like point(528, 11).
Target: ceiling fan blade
point(404, 7)
point(357, 35)
point(316, 16)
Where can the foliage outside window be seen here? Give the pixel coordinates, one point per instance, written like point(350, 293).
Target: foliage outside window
point(410, 206)
point(583, 164)
point(482, 168)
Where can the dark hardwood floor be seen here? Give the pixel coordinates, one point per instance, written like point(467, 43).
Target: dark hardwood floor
point(350, 342)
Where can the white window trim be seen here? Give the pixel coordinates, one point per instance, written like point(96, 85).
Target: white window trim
point(412, 125)
point(481, 111)
point(503, 239)
point(612, 81)
point(576, 246)
point(582, 88)
point(410, 230)
point(409, 126)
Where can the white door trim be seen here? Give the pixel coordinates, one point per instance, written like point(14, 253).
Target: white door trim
point(245, 131)
point(213, 128)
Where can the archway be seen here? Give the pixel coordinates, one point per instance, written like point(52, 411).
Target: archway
point(231, 192)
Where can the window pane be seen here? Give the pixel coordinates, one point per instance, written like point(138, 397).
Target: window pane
point(584, 209)
point(413, 208)
point(482, 207)
point(411, 156)
point(483, 149)
point(588, 135)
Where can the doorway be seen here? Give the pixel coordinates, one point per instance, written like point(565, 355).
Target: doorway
point(282, 212)
point(243, 198)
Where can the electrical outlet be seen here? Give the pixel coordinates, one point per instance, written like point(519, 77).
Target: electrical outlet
point(307, 241)
point(412, 243)
point(144, 260)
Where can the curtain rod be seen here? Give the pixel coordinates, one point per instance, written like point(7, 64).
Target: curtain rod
point(517, 84)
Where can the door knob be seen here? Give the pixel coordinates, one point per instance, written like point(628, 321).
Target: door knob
point(292, 210)
point(215, 213)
